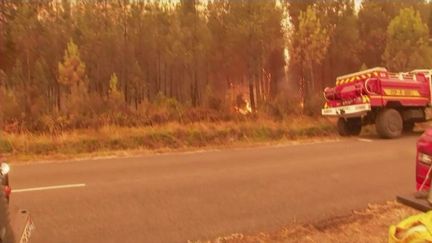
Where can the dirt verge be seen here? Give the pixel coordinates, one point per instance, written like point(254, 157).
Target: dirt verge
point(370, 225)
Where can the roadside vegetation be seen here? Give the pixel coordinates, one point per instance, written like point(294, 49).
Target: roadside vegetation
point(112, 140)
point(370, 225)
point(92, 76)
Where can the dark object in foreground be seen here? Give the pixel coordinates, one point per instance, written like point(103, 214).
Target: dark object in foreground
point(6, 232)
point(15, 225)
point(22, 225)
point(414, 202)
point(4, 179)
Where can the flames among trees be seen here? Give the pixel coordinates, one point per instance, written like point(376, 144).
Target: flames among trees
point(66, 59)
point(67, 64)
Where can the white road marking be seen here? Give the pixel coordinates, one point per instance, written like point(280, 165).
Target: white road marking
point(365, 140)
point(48, 188)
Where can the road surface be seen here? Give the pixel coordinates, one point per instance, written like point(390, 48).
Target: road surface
point(189, 196)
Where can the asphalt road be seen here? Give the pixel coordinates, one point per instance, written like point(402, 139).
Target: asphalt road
point(189, 196)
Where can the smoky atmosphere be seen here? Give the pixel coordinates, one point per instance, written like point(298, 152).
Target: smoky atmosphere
point(215, 121)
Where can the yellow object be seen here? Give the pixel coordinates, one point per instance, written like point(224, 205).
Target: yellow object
point(401, 92)
point(414, 229)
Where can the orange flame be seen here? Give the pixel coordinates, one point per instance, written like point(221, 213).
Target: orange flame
point(246, 109)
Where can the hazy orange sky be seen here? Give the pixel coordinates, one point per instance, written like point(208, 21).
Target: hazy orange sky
point(357, 3)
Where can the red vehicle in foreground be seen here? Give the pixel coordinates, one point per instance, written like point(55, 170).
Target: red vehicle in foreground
point(394, 102)
point(422, 199)
point(416, 228)
point(424, 161)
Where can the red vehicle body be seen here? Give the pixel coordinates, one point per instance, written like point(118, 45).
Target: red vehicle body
point(424, 161)
point(392, 101)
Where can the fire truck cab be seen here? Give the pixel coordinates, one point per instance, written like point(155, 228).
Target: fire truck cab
point(394, 102)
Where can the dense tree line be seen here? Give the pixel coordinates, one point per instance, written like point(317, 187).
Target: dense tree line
point(67, 64)
point(331, 38)
point(63, 61)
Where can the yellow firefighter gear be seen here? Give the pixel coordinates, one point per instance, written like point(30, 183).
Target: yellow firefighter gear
point(414, 229)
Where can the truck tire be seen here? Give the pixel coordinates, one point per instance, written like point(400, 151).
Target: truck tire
point(342, 127)
point(408, 126)
point(349, 126)
point(389, 123)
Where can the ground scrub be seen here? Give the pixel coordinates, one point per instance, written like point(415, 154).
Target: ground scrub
point(167, 136)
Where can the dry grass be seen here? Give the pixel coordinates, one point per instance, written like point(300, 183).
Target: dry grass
point(367, 226)
point(110, 140)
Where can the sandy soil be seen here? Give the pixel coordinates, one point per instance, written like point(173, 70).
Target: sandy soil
point(366, 226)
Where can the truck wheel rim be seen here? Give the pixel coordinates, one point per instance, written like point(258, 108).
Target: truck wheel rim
point(393, 126)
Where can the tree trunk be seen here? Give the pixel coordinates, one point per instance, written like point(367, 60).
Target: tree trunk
point(251, 94)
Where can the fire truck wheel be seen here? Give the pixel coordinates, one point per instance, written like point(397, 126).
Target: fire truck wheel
point(349, 127)
point(408, 126)
point(342, 127)
point(389, 123)
point(355, 126)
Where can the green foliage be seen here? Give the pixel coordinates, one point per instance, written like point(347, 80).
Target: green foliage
point(343, 54)
point(108, 61)
point(295, 8)
point(172, 136)
point(308, 49)
point(373, 22)
point(148, 62)
point(374, 18)
point(313, 39)
point(114, 92)
point(72, 70)
point(355, 40)
point(76, 100)
point(5, 146)
point(408, 42)
point(282, 107)
point(113, 84)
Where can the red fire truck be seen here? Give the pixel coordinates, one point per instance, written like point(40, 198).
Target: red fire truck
point(394, 102)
